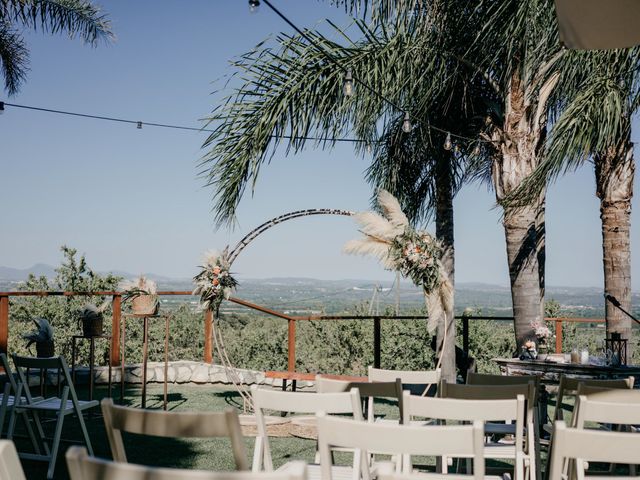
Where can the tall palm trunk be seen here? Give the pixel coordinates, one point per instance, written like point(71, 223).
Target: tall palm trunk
point(520, 140)
point(444, 233)
point(614, 171)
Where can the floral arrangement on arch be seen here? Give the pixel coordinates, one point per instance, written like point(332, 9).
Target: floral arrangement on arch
point(414, 253)
point(214, 283)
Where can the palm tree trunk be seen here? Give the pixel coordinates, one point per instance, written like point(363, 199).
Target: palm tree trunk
point(614, 182)
point(444, 233)
point(520, 139)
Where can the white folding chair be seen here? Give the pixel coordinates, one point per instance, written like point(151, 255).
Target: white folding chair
point(462, 440)
point(505, 392)
point(10, 468)
point(63, 406)
point(580, 446)
point(83, 467)
point(158, 423)
point(305, 403)
point(448, 409)
point(422, 378)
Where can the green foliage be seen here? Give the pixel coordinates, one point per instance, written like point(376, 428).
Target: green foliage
point(76, 18)
point(62, 312)
point(552, 308)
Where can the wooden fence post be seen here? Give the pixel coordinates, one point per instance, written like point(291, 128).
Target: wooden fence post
point(4, 323)
point(376, 342)
point(116, 307)
point(208, 336)
point(465, 334)
point(291, 334)
point(558, 335)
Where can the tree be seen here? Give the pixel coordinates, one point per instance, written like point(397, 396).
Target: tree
point(73, 275)
point(78, 18)
point(296, 91)
point(594, 105)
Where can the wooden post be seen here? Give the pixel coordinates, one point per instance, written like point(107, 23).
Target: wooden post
point(4, 323)
point(291, 361)
point(376, 342)
point(558, 335)
point(116, 307)
point(208, 336)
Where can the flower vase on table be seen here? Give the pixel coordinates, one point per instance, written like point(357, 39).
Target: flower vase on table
point(529, 351)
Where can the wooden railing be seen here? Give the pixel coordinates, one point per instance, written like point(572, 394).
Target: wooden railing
point(116, 303)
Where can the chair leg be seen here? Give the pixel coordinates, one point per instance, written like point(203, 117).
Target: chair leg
point(83, 427)
point(43, 437)
point(57, 434)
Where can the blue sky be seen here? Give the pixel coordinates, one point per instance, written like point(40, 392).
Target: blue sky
point(130, 199)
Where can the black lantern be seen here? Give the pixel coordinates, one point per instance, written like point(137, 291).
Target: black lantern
point(616, 349)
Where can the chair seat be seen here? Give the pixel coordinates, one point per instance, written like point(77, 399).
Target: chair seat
point(11, 400)
point(54, 404)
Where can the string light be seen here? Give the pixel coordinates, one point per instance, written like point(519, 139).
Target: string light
point(476, 149)
point(456, 149)
point(447, 142)
point(1, 108)
point(406, 123)
point(139, 125)
point(347, 86)
point(487, 120)
point(254, 5)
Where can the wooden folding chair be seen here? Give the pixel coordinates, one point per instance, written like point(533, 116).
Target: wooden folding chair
point(568, 386)
point(159, 423)
point(581, 446)
point(448, 409)
point(411, 379)
point(10, 468)
point(83, 467)
point(61, 407)
point(505, 392)
point(7, 401)
point(463, 440)
point(305, 403)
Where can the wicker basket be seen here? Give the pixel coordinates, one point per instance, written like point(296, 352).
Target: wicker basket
point(45, 349)
point(145, 305)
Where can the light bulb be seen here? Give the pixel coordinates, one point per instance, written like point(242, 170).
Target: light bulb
point(1, 108)
point(347, 86)
point(487, 120)
point(254, 5)
point(139, 125)
point(406, 123)
point(476, 149)
point(369, 149)
point(456, 149)
point(447, 142)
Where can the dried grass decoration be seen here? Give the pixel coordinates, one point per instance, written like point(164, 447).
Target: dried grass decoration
point(214, 283)
point(143, 294)
point(415, 254)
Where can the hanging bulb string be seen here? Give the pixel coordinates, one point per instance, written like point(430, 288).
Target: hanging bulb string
point(335, 61)
point(139, 124)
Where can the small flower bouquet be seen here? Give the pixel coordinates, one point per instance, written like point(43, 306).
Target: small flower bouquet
point(543, 333)
point(415, 254)
point(143, 294)
point(214, 283)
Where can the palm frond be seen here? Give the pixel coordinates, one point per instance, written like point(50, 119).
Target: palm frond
point(76, 17)
point(14, 58)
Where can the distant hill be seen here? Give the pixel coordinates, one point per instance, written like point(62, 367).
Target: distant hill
point(16, 274)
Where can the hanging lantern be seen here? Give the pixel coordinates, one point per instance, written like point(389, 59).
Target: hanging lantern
point(616, 350)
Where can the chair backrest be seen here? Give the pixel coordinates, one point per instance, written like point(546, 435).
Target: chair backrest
point(590, 445)
point(622, 395)
point(568, 386)
point(461, 440)
point(83, 467)
point(489, 379)
point(487, 392)
point(368, 390)
point(415, 377)
point(594, 409)
point(10, 467)
point(58, 364)
point(295, 402)
point(158, 423)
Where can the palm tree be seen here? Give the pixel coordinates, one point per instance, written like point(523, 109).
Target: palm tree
point(516, 51)
point(78, 18)
point(594, 105)
point(296, 92)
